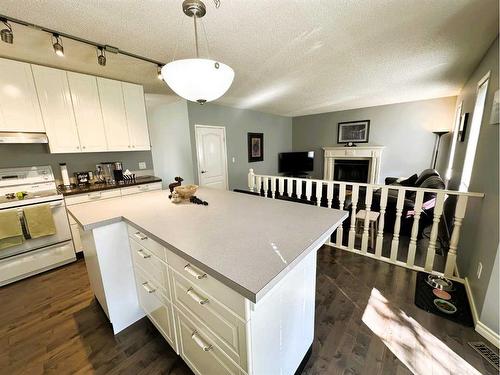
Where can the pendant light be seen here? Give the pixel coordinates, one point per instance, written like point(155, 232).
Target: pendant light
point(197, 80)
point(6, 34)
point(57, 45)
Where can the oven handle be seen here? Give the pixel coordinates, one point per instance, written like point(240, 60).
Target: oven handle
point(51, 204)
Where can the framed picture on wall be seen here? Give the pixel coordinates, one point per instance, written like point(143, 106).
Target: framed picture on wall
point(353, 131)
point(255, 147)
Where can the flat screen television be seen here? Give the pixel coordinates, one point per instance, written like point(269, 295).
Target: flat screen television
point(295, 162)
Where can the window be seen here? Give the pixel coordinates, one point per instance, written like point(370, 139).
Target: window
point(454, 137)
point(475, 127)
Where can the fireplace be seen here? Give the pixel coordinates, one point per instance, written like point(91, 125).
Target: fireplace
point(351, 170)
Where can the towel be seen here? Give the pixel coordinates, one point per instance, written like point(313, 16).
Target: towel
point(11, 233)
point(39, 220)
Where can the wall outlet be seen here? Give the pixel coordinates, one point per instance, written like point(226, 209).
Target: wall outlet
point(233, 160)
point(479, 269)
point(142, 165)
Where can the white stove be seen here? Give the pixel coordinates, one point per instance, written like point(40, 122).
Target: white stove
point(24, 186)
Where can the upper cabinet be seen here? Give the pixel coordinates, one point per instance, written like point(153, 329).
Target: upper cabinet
point(113, 113)
point(57, 109)
point(87, 109)
point(79, 112)
point(135, 109)
point(19, 108)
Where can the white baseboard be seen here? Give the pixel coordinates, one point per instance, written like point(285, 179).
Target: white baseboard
point(481, 328)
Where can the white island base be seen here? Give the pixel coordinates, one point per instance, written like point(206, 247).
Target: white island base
point(255, 319)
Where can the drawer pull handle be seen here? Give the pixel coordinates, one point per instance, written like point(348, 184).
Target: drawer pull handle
point(200, 342)
point(195, 296)
point(194, 273)
point(143, 254)
point(148, 288)
point(140, 236)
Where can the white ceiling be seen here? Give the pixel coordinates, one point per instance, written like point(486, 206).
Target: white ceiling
point(291, 57)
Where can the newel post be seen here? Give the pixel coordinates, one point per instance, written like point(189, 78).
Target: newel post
point(251, 179)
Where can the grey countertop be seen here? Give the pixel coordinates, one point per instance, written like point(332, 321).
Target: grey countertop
point(247, 242)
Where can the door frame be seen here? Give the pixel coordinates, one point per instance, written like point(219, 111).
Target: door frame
point(198, 126)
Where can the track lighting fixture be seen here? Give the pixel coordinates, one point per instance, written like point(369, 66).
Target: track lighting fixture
point(101, 56)
point(6, 34)
point(158, 72)
point(57, 44)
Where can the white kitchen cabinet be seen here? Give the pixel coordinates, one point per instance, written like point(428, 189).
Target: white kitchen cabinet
point(113, 112)
point(19, 108)
point(87, 109)
point(57, 109)
point(135, 109)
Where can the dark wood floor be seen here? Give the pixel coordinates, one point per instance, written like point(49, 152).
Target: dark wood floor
point(52, 324)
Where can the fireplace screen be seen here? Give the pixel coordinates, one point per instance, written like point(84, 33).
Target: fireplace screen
point(351, 170)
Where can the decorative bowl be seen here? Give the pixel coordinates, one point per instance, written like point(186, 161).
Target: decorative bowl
point(186, 191)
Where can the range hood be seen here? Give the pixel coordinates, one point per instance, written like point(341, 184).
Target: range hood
point(23, 137)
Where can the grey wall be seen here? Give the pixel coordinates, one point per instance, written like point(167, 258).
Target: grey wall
point(238, 122)
point(479, 239)
point(170, 138)
point(23, 155)
point(405, 129)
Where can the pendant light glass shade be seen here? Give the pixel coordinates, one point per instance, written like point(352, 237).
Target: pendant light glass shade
point(198, 80)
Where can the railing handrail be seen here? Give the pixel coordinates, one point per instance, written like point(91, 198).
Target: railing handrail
point(395, 187)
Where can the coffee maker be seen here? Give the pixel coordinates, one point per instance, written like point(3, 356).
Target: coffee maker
point(118, 172)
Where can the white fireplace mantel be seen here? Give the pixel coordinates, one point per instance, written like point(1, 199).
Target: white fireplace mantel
point(371, 153)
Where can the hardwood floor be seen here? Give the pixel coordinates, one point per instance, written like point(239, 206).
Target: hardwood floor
point(51, 324)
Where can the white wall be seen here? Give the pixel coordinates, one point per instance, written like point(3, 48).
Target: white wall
point(170, 139)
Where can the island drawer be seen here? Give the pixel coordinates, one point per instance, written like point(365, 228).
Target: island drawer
point(148, 243)
point(228, 327)
point(141, 188)
point(150, 264)
point(156, 306)
point(200, 350)
point(202, 280)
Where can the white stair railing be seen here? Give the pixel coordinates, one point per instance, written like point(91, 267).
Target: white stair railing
point(389, 247)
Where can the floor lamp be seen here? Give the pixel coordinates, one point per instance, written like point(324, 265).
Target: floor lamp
point(436, 146)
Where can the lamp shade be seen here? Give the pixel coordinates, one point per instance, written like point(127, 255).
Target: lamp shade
point(198, 80)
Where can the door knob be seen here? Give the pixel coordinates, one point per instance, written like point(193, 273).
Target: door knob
point(204, 171)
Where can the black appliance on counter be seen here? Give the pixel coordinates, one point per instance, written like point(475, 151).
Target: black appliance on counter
point(118, 172)
point(82, 178)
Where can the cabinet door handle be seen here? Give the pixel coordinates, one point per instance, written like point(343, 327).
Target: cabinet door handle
point(195, 296)
point(140, 236)
point(200, 342)
point(148, 288)
point(143, 254)
point(189, 269)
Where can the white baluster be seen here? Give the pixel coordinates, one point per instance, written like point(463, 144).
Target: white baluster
point(380, 233)
point(368, 205)
point(298, 188)
point(289, 186)
point(451, 259)
point(251, 180)
point(412, 249)
point(329, 193)
point(273, 186)
point(352, 229)
point(319, 192)
point(340, 229)
point(281, 185)
point(266, 185)
point(397, 224)
point(431, 250)
point(308, 189)
point(258, 183)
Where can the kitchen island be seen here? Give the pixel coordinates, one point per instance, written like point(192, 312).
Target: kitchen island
point(231, 285)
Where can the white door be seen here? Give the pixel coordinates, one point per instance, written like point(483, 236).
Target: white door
point(87, 109)
point(113, 113)
point(212, 159)
point(19, 108)
point(135, 109)
point(57, 110)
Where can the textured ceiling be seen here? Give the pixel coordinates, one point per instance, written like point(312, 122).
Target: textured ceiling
point(291, 57)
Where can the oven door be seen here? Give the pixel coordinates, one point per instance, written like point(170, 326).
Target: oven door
point(62, 234)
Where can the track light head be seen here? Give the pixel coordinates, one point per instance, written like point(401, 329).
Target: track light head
point(101, 56)
point(158, 72)
point(57, 44)
point(7, 35)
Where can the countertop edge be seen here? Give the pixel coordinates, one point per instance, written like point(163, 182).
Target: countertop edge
point(105, 187)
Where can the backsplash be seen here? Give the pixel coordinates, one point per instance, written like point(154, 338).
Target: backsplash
point(25, 155)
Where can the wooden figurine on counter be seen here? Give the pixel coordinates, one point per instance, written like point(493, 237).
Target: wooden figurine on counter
point(178, 182)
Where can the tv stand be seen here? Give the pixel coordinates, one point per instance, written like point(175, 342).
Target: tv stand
point(297, 175)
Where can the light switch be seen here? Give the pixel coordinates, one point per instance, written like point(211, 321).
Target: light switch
point(142, 165)
point(234, 160)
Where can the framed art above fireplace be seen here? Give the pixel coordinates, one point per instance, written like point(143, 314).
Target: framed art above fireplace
point(353, 131)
